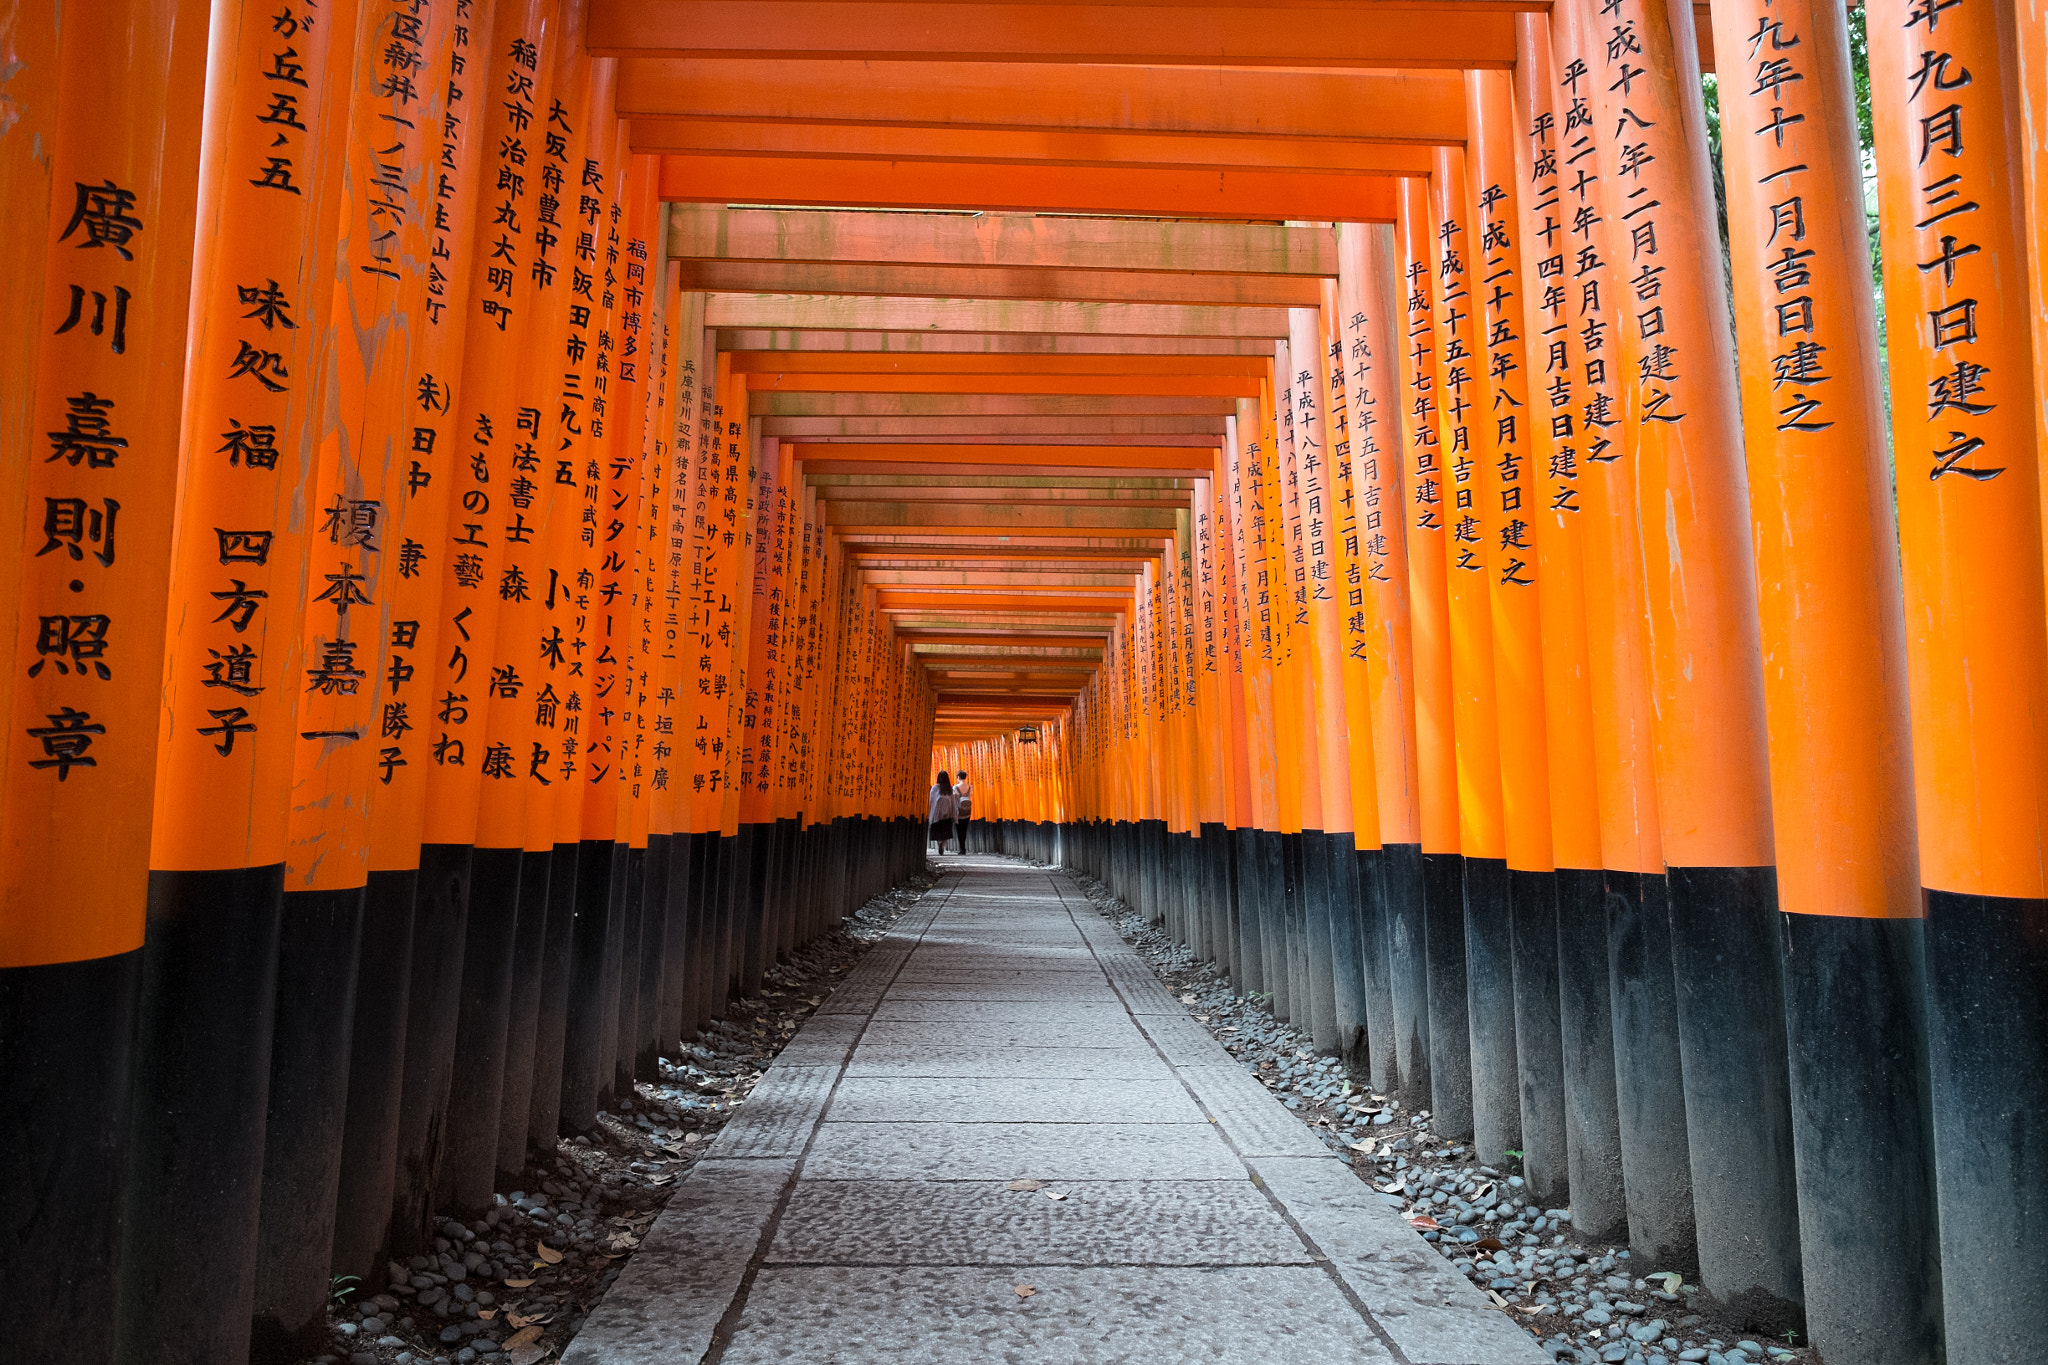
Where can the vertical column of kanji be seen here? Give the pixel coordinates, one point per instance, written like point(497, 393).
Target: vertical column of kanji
point(1266, 593)
point(1213, 736)
point(445, 90)
point(1707, 723)
point(1192, 759)
point(1252, 705)
point(276, 125)
point(1507, 485)
point(1965, 429)
point(1841, 762)
point(1230, 690)
point(379, 283)
point(667, 567)
point(722, 531)
point(481, 414)
point(797, 776)
point(1489, 967)
point(1363, 550)
point(1591, 1131)
point(1656, 1162)
point(1436, 777)
point(99, 168)
point(757, 716)
point(1324, 479)
point(1300, 781)
point(574, 711)
point(1367, 371)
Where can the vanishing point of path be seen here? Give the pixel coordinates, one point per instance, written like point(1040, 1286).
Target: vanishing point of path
point(859, 1208)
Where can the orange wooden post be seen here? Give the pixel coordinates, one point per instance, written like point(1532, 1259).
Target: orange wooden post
point(1951, 127)
point(1707, 722)
point(1258, 891)
point(377, 1058)
point(263, 294)
point(1656, 1165)
point(1366, 365)
point(487, 413)
point(1489, 969)
point(362, 497)
point(1836, 693)
point(1508, 486)
point(1427, 503)
point(1586, 1040)
point(99, 164)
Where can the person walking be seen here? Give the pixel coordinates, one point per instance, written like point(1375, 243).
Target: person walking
point(944, 810)
point(963, 796)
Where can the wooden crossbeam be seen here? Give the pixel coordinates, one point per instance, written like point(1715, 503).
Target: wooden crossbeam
point(989, 345)
point(984, 316)
point(1385, 33)
point(969, 405)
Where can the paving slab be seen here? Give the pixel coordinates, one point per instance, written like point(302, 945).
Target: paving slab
point(857, 1207)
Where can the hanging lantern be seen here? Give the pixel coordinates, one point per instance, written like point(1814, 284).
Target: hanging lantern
point(1027, 734)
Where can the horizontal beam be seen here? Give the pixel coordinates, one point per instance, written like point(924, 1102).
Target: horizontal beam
point(1007, 240)
point(868, 362)
point(1383, 34)
point(1090, 430)
point(982, 493)
point(982, 405)
point(972, 315)
point(996, 282)
point(988, 344)
point(968, 639)
point(1172, 192)
point(1027, 146)
point(1046, 385)
point(1427, 106)
point(1012, 518)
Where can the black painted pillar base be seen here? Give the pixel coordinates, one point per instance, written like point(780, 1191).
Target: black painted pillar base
point(1406, 936)
point(1592, 1126)
point(1279, 971)
point(1348, 952)
point(1490, 1009)
point(1294, 932)
point(476, 1084)
point(1649, 1090)
point(440, 923)
point(67, 1052)
point(202, 1091)
point(1378, 1057)
point(1863, 1136)
point(583, 1071)
point(1987, 960)
point(1727, 958)
point(551, 1008)
point(622, 975)
point(309, 1071)
point(649, 1010)
point(522, 1014)
point(1249, 892)
point(1539, 1043)
point(1450, 1032)
point(376, 1078)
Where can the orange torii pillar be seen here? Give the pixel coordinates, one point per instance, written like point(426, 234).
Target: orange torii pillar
point(107, 175)
point(1642, 994)
point(365, 491)
point(1509, 483)
point(263, 303)
point(1258, 849)
point(1966, 431)
point(1426, 503)
point(1554, 349)
point(1489, 953)
point(404, 721)
point(1706, 676)
point(1836, 693)
point(1367, 373)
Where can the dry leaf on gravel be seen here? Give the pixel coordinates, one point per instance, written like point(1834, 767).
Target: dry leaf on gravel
point(547, 1253)
point(532, 1353)
point(1424, 1222)
point(522, 1337)
point(519, 1284)
point(1055, 1195)
point(1025, 1185)
point(1025, 1291)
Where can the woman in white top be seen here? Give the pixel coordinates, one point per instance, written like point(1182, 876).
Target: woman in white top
point(944, 809)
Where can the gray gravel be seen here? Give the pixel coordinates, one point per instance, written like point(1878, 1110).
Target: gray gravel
point(1585, 1303)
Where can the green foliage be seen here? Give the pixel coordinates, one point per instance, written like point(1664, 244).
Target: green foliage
point(340, 1288)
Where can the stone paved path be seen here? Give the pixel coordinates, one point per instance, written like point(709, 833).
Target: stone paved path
point(857, 1208)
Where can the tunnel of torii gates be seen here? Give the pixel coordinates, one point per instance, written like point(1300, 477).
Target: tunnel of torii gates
point(495, 565)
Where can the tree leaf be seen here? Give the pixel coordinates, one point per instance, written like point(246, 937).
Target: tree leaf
point(547, 1253)
point(521, 1338)
point(519, 1284)
point(1025, 1185)
point(1025, 1291)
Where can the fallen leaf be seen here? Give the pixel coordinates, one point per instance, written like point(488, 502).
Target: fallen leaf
point(532, 1353)
point(1187, 1000)
point(1025, 1185)
point(1498, 1301)
point(519, 1284)
point(487, 1313)
point(521, 1338)
point(1055, 1195)
point(1489, 1244)
point(1392, 1189)
point(1671, 1278)
point(1025, 1291)
point(547, 1253)
point(1365, 1146)
point(1424, 1221)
